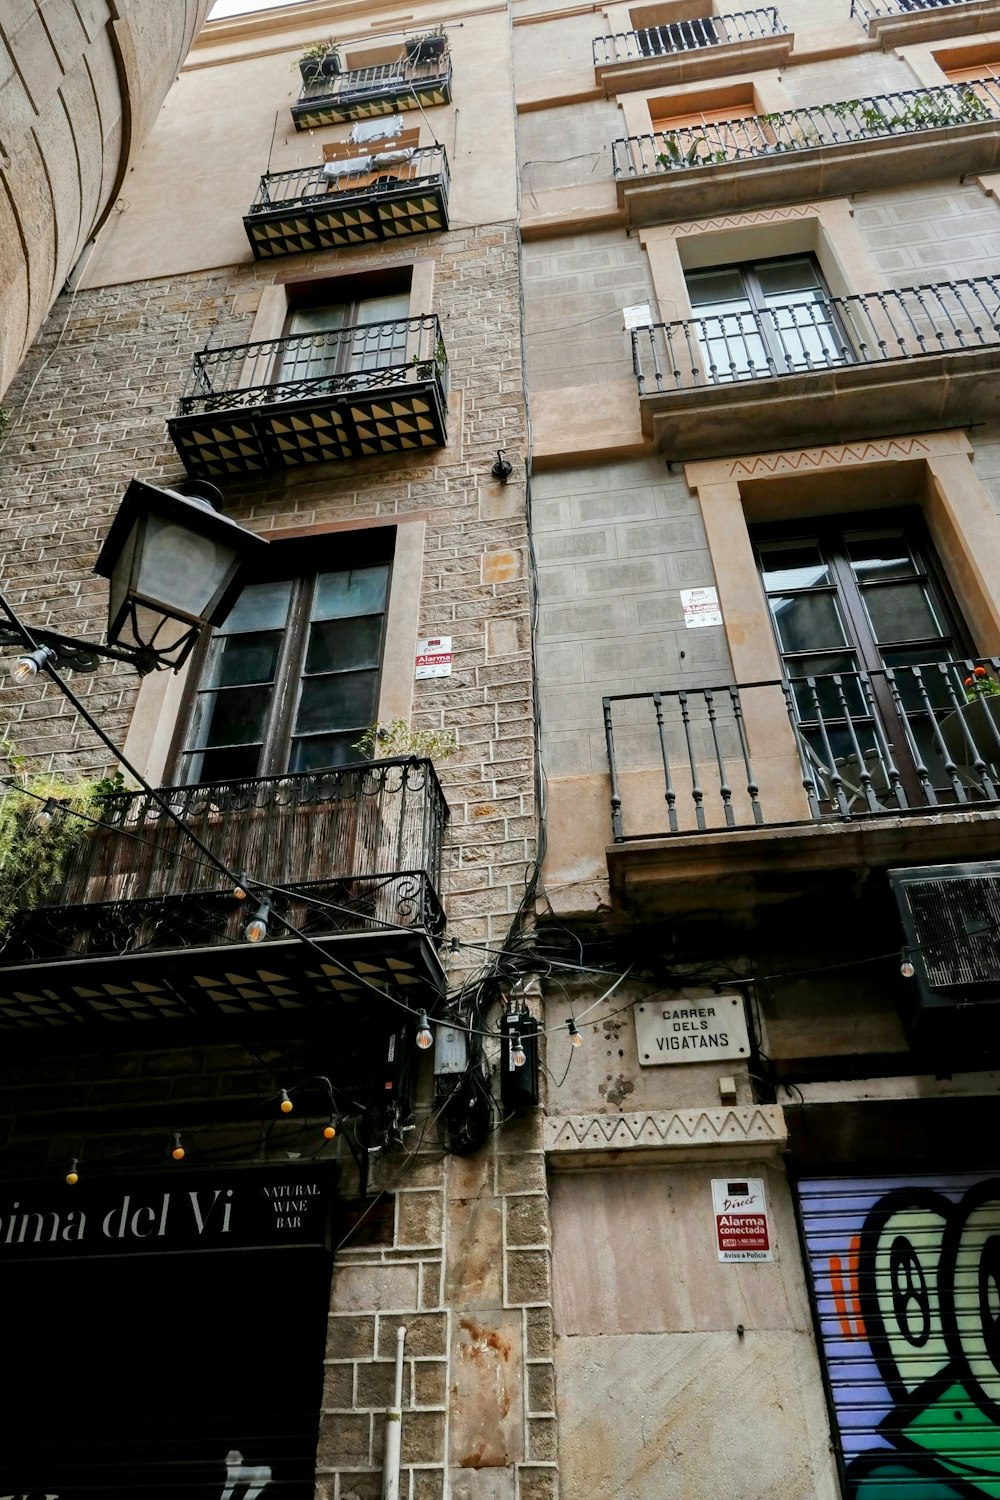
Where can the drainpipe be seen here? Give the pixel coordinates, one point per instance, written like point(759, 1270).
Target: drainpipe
point(393, 1427)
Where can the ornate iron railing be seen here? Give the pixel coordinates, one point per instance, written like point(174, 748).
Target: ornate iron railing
point(866, 743)
point(867, 10)
point(685, 36)
point(363, 840)
point(374, 175)
point(803, 335)
point(751, 137)
point(357, 84)
point(362, 358)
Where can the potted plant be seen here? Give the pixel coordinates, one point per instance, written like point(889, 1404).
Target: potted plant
point(429, 46)
point(319, 60)
point(975, 728)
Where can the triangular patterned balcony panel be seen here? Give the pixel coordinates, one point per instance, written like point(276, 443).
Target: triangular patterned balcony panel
point(367, 100)
point(337, 220)
point(341, 393)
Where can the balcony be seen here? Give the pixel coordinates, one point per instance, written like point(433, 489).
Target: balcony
point(688, 50)
point(347, 393)
point(758, 786)
point(903, 360)
point(365, 93)
point(830, 149)
point(387, 195)
point(893, 22)
point(145, 929)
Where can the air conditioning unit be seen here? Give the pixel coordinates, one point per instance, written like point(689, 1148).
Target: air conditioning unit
point(951, 925)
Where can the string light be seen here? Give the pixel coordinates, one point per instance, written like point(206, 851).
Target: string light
point(31, 663)
point(240, 892)
point(73, 1176)
point(256, 929)
point(177, 1149)
point(330, 1129)
point(906, 967)
point(425, 1036)
point(574, 1034)
point(286, 1106)
point(518, 1056)
point(46, 812)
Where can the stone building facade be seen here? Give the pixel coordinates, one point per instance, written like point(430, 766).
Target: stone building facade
point(720, 288)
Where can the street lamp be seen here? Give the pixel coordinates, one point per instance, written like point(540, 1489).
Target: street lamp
point(175, 565)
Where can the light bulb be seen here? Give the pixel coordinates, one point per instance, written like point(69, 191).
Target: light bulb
point(518, 1056)
point(330, 1131)
point(46, 813)
point(574, 1034)
point(424, 1036)
point(906, 967)
point(286, 1106)
point(240, 892)
point(29, 665)
point(177, 1149)
point(73, 1176)
point(256, 929)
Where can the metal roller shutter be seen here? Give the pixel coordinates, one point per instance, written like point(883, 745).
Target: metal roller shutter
point(905, 1276)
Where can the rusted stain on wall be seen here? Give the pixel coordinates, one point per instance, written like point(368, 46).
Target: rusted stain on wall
point(486, 1396)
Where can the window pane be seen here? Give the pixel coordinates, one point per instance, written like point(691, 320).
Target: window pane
point(722, 290)
point(355, 591)
point(261, 606)
point(875, 558)
point(330, 702)
point(901, 612)
point(826, 700)
point(230, 764)
point(943, 688)
point(795, 565)
point(233, 717)
point(239, 659)
point(777, 278)
point(339, 645)
point(323, 750)
point(808, 622)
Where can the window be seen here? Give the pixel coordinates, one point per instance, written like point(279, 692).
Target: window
point(291, 680)
point(345, 338)
point(865, 629)
point(765, 317)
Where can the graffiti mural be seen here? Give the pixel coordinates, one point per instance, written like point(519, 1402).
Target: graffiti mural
point(906, 1277)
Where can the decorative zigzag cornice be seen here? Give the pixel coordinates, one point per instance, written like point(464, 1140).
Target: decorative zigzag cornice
point(752, 1129)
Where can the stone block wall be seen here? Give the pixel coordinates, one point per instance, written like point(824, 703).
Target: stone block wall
point(615, 543)
point(89, 410)
point(938, 232)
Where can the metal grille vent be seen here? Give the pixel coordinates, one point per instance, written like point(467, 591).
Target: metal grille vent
point(952, 921)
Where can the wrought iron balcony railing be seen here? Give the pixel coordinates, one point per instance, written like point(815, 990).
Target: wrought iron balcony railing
point(352, 857)
point(363, 92)
point(686, 36)
point(802, 335)
point(868, 10)
point(386, 195)
point(343, 393)
point(755, 137)
point(860, 743)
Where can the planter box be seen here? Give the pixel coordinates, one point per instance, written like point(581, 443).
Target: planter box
point(978, 721)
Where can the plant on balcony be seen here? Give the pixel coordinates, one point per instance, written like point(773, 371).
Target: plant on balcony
point(927, 111)
point(429, 46)
point(319, 60)
point(39, 830)
point(396, 740)
point(673, 156)
point(979, 684)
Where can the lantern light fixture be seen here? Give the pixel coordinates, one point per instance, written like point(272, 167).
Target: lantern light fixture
point(174, 563)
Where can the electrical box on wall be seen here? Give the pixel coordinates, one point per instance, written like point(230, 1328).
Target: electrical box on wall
point(950, 916)
point(518, 1060)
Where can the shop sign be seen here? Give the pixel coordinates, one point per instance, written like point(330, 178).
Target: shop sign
point(183, 1314)
point(689, 1031)
point(742, 1231)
